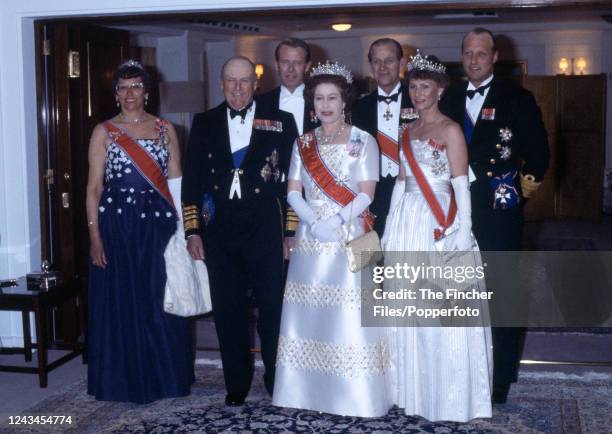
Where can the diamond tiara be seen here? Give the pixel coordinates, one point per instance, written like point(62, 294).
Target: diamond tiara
point(131, 62)
point(335, 68)
point(422, 64)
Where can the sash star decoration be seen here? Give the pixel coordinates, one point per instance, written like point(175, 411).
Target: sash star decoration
point(505, 134)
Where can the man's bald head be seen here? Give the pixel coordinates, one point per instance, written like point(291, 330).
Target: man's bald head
point(238, 60)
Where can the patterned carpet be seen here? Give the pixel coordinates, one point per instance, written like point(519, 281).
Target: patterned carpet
point(539, 403)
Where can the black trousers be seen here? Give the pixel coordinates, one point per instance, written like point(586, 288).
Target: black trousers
point(244, 254)
point(382, 201)
point(501, 230)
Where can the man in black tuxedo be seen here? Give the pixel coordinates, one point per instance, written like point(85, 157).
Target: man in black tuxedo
point(233, 206)
point(381, 113)
point(292, 62)
point(508, 152)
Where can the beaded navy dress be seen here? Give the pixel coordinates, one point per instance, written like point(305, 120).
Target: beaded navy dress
point(137, 352)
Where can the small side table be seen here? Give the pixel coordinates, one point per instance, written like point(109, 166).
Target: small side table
point(41, 301)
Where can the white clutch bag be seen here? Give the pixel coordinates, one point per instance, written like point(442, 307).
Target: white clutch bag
point(187, 291)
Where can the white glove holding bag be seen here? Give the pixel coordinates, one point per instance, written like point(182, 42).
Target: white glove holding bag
point(463, 239)
point(327, 230)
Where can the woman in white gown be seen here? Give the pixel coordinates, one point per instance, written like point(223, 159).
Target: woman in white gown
point(440, 373)
point(326, 361)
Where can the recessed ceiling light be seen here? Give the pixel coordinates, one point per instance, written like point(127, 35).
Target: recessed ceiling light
point(341, 27)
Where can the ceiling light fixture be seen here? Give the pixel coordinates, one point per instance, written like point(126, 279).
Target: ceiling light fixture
point(341, 27)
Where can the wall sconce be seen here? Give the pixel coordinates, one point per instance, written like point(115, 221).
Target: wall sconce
point(341, 27)
point(581, 64)
point(259, 70)
point(563, 65)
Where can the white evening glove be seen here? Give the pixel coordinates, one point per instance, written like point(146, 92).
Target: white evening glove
point(174, 185)
point(301, 208)
point(358, 205)
point(463, 238)
point(327, 230)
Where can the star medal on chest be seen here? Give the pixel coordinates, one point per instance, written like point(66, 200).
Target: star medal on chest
point(388, 115)
point(438, 166)
point(505, 152)
point(271, 169)
point(505, 135)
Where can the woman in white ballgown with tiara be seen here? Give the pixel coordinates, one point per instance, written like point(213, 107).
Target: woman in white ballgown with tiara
point(440, 373)
point(326, 361)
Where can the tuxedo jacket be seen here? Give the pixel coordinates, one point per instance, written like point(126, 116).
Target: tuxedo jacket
point(508, 136)
point(271, 100)
point(209, 167)
point(364, 113)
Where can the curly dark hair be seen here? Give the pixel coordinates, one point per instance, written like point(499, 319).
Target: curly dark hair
point(441, 78)
point(347, 92)
point(131, 69)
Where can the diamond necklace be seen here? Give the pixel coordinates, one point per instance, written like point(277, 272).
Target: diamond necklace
point(326, 140)
point(132, 121)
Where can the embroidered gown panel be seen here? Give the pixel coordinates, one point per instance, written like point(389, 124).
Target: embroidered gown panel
point(440, 373)
point(137, 352)
point(326, 361)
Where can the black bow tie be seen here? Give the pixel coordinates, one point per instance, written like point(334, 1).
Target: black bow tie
point(242, 112)
point(470, 93)
point(388, 99)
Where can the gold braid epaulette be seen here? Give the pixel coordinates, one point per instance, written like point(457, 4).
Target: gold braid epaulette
point(191, 217)
point(529, 185)
point(292, 220)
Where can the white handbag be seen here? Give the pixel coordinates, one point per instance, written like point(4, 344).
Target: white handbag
point(187, 291)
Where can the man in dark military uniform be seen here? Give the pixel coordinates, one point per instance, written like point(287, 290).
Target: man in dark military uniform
point(292, 62)
point(381, 113)
point(508, 152)
point(233, 206)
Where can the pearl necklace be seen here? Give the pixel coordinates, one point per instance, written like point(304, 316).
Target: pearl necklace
point(326, 140)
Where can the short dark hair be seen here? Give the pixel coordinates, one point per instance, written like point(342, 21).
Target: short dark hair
point(293, 43)
point(131, 69)
point(382, 41)
point(480, 31)
point(441, 78)
point(347, 92)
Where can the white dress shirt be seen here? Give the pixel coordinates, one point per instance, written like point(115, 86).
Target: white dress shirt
point(474, 105)
point(239, 132)
point(390, 127)
point(294, 104)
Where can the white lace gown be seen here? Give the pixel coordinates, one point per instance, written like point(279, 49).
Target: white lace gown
point(326, 361)
point(439, 373)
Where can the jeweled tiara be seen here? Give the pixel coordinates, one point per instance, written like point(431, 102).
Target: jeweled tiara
point(131, 62)
point(335, 68)
point(422, 64)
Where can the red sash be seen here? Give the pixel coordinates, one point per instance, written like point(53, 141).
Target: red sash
point(430, 197)
point(388, 146)
point(324, 179)
point(142, 160)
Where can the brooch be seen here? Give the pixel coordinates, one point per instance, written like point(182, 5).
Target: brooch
point(354, 147)
point(505, 134)
point(306, 139)
point(268, 125)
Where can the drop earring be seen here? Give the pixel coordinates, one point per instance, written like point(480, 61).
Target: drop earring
point(146, 99)
point(117, 101)
point(343, 116)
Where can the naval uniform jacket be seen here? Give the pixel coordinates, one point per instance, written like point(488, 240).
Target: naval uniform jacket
point(209, 166)
point(271, 100)
point(508, 138)
point(364, 115)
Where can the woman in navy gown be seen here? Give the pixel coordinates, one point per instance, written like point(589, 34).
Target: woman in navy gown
point(137, 352)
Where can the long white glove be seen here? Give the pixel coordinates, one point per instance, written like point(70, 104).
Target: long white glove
point(398, 191)
point(463, 238)
point(358, 205)
point(301, 208)
point(174, 185)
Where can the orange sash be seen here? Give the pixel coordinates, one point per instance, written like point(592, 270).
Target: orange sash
point(321, 175)
point(142, 160)
point(430, 197)
point(388, 146)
